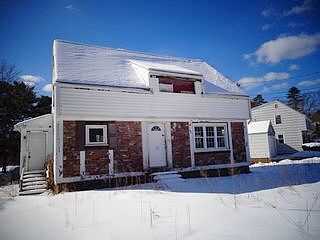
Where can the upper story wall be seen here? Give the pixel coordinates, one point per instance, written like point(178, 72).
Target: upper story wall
point(291, 120)
point(291, 127)
point(93, 103)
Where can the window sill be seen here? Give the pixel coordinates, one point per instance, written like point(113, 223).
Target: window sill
point(96, 145)
point(211, 150)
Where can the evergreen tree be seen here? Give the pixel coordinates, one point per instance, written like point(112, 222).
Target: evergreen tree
point(257, 101)
point(295, 99)
point(18, 102)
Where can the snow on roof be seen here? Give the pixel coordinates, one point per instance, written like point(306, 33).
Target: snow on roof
point(85, 64)
point(154, 66)
point(258, 127)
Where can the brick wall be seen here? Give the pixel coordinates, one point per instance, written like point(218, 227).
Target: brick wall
point(123, 137)
point(238, 141)
point(126, 140)
point(71, 149)
point(211, 158)
point(181, 155)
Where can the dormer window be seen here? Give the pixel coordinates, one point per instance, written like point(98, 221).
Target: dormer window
point(176, 85)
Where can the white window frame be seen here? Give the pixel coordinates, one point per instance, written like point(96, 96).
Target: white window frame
point(215, 148)
point(104, 128)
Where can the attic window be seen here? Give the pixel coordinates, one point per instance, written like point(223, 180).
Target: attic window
point(176, 85)
point(278, 119)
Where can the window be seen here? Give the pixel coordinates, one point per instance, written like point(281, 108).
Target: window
point(176, 85)
point(281, 138)
point(210, 137)
point(166, 87)
point(96, 135)
point(278, 119)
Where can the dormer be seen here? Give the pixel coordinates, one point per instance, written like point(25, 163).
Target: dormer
point(169, 78)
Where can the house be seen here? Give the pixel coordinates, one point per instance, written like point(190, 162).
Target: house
point(262, 142)
point(290, 126)
point(119, 113)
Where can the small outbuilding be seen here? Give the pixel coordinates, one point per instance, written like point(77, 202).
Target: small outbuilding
point(262, 142)
point(36, 142)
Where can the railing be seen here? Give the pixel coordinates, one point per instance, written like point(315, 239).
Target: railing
point(21, 173)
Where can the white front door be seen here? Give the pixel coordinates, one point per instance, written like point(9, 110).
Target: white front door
point(36, 150)
point(156, 145)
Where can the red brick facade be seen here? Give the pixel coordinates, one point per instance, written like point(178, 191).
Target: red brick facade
point(181, 155)
point(211, 158)
point(238, 142)
point(97, 161)
point(126, 140)
point(123, 137)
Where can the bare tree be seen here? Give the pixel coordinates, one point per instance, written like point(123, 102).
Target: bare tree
point(311, 102)
point(8, 72)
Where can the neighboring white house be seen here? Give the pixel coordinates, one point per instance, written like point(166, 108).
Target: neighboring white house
point(289, 125)
point(262, 142)
point(122, 113)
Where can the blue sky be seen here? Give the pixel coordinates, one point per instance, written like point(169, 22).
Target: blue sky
point(267, 45)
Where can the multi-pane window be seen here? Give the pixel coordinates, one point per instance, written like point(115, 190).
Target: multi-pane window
point(221, 137)
point(210, 137)
point(278, 119)
point(198, 133)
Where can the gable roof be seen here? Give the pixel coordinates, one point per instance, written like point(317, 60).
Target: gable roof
point(93, 65)
point(278, 102)
point(259, 127)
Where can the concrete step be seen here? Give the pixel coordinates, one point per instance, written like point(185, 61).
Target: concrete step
point(32, 175)
point(32, 192)
point(33, 179)
point(26, 184)
point(34, 172)
point(35, 186)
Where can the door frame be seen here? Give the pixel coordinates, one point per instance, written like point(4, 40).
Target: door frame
point(161, 124)
point(145, 143)
point(28, 157)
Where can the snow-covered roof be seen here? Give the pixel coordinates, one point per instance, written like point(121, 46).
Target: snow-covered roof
point(259, 127)
point(86, 64)
point(154, 66)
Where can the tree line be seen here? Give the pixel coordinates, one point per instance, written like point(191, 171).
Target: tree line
point(18, 102)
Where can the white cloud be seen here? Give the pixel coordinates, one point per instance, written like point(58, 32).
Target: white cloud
point(285, 47)
point(249, 82)
point(294, 67)
point(268, 12)
point(72, 8)
point(266, 27)
point(308, 83)
point(30, 80)
point(306, 6)
point(276, 87)
point(47, 88)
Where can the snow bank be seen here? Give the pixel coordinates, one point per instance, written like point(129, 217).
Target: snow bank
point(313, 144)
point(288, 161)
point(271, 205)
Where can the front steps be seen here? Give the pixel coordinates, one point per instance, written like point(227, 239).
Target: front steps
point(33, 182)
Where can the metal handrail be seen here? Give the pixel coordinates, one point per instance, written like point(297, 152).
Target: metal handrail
point(22, 172)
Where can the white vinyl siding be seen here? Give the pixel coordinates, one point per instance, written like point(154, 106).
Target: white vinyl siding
point(292, 123)
point(75, 103)
point(259, 147)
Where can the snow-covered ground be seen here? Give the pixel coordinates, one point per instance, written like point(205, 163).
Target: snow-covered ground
point(275, 201)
